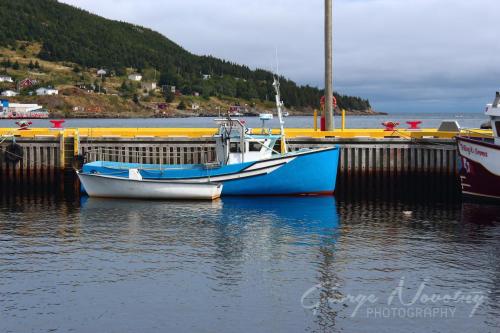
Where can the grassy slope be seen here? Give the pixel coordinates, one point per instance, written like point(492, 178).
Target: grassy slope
point(62, 76)
point(67, 33)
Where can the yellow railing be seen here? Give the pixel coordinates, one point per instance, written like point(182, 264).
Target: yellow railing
point(84, 133)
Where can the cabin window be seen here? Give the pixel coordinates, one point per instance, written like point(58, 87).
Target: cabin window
point(255, 146)
point(497, 126)
point(235, 147)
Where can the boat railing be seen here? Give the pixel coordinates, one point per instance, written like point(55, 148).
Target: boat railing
point(162, 159)
point(481, 136)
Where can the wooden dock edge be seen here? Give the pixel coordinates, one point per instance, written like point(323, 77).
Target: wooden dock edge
point(47, 160)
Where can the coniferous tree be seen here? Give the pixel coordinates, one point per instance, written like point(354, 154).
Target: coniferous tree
point(181, 106)
point(169, 96)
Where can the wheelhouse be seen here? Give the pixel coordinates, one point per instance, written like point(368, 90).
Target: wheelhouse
point(235, 143)
point(493, 111)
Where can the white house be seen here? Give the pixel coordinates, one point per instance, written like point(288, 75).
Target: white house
point(149, 86)
point(16, 107)
point(207, 77)
point(4, 78)
point(9, 93)
point(135, 77)
point(102, 72)
point(46, 92)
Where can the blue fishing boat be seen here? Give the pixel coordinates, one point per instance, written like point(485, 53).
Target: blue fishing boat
point(247, 164)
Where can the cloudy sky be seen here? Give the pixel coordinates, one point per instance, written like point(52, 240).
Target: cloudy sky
point(404, 55)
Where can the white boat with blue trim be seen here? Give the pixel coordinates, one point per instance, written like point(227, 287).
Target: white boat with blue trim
point(247, 164)
point(135, 187)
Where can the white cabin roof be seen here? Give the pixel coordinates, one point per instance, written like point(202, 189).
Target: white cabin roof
point(493, 110)
point(19, 105)
point(135, 77)
point(9, 93)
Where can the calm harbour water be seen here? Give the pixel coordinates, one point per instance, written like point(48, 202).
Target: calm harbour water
point(322, 264)
point(466, 120)
point(245, 265)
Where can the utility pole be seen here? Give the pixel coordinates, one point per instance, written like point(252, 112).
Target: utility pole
point(329, 124)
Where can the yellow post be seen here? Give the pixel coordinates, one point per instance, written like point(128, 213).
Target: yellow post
point(315, 120)
point(76, 143)
point(343, 119)
point(62, 156)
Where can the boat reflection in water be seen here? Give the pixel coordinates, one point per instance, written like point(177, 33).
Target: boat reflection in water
point(304, 214)
point(299, 215)
point(475, 213)
point(136, 266)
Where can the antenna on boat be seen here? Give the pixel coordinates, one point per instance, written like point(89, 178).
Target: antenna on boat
point(279, 107)
point(496, 103)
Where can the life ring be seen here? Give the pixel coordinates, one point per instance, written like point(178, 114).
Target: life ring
point(14, 153)
point(323, 101)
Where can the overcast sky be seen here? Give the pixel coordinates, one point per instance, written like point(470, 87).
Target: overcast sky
point(404, 55)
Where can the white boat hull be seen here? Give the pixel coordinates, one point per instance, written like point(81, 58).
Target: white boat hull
point(102, 186)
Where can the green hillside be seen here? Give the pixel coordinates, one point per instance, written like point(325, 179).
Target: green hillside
point(68, 34)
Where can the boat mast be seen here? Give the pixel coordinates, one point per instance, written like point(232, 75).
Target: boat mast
point(279, 107)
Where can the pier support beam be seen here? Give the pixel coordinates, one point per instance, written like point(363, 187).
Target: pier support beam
point(329, 122)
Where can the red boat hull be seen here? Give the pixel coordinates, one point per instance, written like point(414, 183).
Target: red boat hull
point(479, 175)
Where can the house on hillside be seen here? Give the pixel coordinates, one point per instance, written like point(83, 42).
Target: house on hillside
point(207, 77)
point(9, 93)
point(4, 78)
point(46, 92)
point(149, 86)
point(27, 83)
point(102, 72)
point(135, 77)
point(237, 110)
point(88, 88)
point(25, 108)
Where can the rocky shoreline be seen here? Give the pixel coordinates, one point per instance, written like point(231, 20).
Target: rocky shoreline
point(194, 115)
